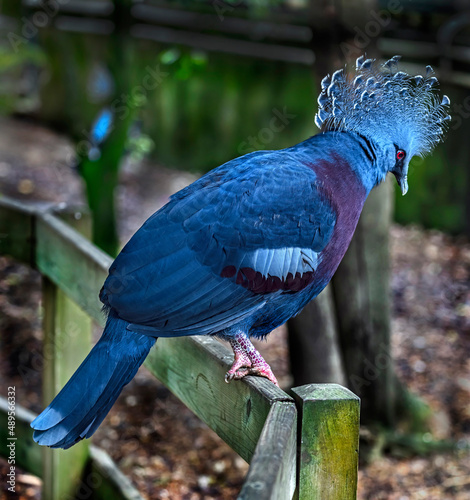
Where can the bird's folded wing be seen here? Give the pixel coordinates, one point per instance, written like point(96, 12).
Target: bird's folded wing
point(221, 248)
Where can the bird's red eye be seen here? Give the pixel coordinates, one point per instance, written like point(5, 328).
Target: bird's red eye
point(400, 154)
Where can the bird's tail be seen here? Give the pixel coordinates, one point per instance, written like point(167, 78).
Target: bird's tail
point(80, 407)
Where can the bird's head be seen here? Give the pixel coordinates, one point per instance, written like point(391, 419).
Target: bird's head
point(401, 115)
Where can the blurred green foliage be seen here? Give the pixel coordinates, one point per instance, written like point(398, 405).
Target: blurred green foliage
point(436, 198)
point(204, 114)
point(14, 95)
point(439, 183)
point(196, 110)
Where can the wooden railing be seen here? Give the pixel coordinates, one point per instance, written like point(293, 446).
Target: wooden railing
point(302, 446)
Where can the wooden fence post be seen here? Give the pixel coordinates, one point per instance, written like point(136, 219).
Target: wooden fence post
point(272, 473)
point(66, 342)
point(329, 442)
point(262, 425)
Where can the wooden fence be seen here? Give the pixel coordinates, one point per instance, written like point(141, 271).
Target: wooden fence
point(303, 445)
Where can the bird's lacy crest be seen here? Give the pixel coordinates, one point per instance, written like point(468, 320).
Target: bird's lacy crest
point(381, 102)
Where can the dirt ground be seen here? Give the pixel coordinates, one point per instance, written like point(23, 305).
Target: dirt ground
point(156, 441)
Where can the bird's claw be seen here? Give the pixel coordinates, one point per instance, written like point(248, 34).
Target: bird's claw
point(247, 361)
point(236, 373)
point(260, 371)
point(264, 371)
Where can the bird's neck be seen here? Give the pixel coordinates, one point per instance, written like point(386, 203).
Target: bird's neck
point(361, 155)
point(365, 158)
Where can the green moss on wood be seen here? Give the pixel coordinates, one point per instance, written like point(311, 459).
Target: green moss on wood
point(328, 455)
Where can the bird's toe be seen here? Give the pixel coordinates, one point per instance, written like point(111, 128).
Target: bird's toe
point(264, 370)
point(237, 373)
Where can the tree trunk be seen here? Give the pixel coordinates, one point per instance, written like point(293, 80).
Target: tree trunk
point(361, 293)
point(343, 336)
point(101, 176)
point(314, 349)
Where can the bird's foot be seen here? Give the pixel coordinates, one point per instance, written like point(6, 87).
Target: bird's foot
point(241, 366)
point(248, 361)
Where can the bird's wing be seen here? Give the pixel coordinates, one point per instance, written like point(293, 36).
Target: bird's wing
point(218, 250)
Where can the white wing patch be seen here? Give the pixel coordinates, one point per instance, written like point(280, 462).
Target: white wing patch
point(273, 269)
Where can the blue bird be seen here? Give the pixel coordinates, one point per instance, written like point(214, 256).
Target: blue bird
point(100, 129)
point(248, 245)
point(102, 126)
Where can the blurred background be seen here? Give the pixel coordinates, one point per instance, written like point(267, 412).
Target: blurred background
point(108, 107)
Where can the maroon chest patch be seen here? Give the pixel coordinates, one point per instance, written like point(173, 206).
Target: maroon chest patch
point(345, 192)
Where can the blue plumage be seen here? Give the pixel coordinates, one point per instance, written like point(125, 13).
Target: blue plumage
point(245, 247)
point(86, 399)
point(181, 282)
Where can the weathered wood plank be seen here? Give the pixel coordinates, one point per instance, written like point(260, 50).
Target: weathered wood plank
point(272, 473)
point(67, 340)
point(16, 230)
point(105, 479)
point(194, 368)
point(329, 442)
point(102, 479)
point(79, 268)
point(76, 217)
point(72, 262)
point(27, 452)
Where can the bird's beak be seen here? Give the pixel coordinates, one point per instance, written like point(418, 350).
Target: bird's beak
point(403, 183)
point(402, 179)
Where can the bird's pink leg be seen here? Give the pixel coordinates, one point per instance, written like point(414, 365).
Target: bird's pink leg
point(248, 361)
